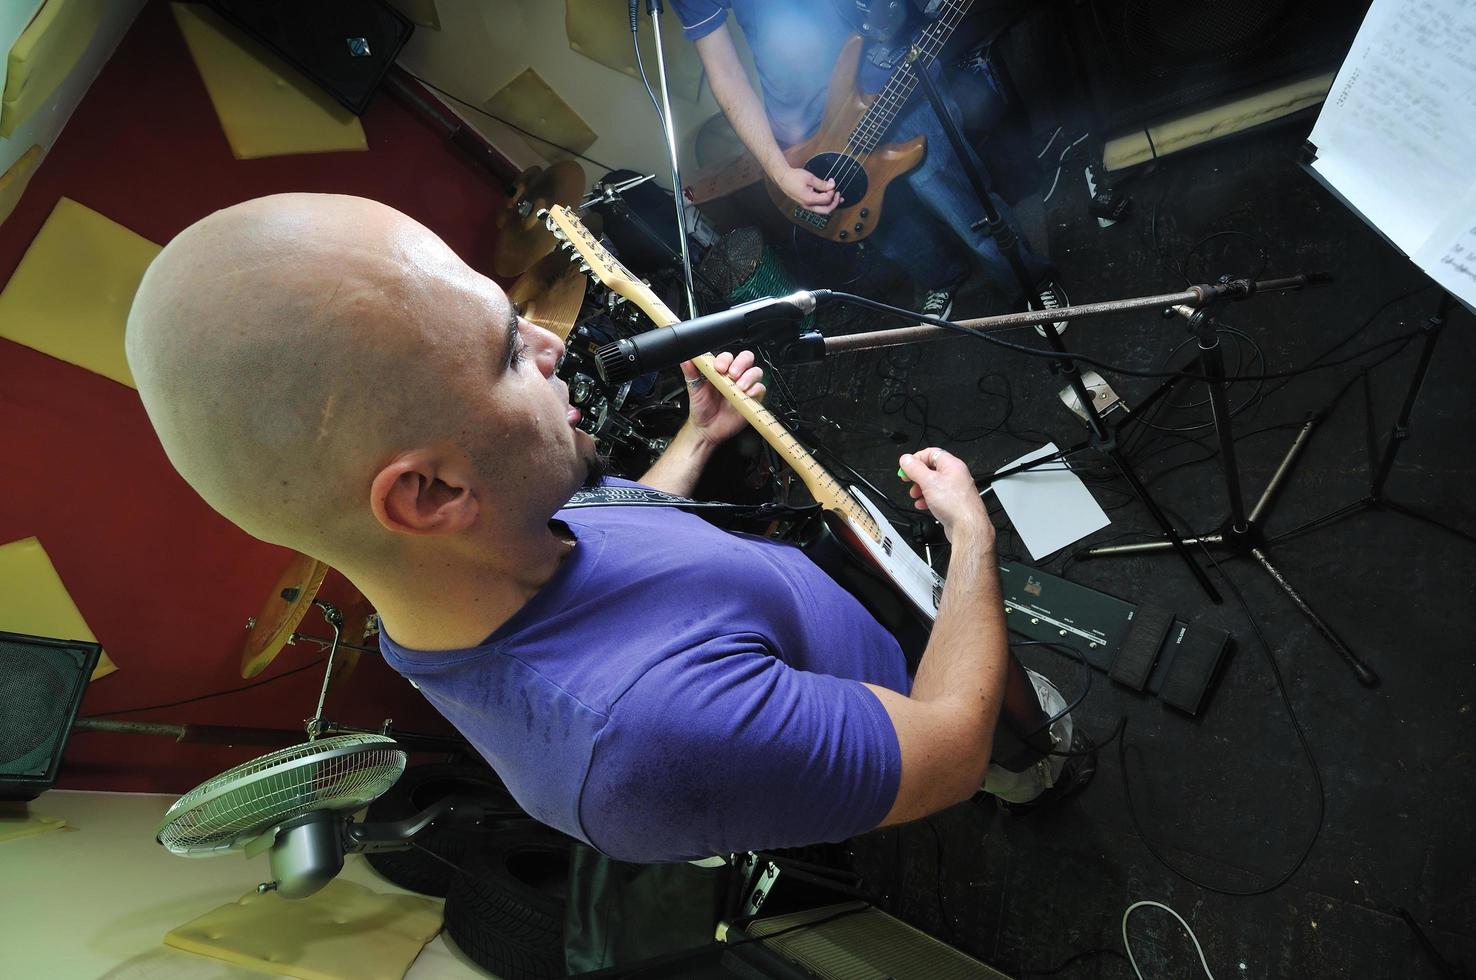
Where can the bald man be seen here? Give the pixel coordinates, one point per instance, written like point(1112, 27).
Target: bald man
point(330, 376)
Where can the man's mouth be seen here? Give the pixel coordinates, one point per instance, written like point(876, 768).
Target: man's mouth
point(573, 415)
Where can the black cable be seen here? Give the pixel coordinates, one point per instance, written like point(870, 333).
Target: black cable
point(504, 122)
point(205, 697)
point(1359, 329)
point(1116, 369)
point(1086, 687)
point(635, 42)
point(1301, 737)
point(1076, 958)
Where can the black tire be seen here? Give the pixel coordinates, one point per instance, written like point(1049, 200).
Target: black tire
point(418, 788)
point(507, 911)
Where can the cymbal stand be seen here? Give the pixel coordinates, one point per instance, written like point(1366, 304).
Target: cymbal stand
point(669, 131)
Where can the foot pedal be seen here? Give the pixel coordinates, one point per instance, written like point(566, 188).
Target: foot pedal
point(1140, 650)
point(1194, 667)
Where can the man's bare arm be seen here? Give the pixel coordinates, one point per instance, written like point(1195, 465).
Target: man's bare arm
point(945, 727)
point(743, 108)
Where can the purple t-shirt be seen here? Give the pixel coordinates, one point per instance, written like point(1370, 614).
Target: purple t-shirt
point(676, 691)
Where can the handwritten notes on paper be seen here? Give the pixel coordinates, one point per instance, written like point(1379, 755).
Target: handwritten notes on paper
point(1397, 135)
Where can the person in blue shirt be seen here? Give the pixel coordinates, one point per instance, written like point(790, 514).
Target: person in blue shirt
point(330, 376)
point(795, 46)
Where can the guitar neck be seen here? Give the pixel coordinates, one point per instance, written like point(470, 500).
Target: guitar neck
point(599, 263)
point(894, 95)
point(826, 489)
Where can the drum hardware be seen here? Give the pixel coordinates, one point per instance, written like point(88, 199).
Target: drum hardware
point(521, 238)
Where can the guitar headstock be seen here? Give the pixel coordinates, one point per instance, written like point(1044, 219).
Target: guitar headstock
point(596, 260)
point(581, 243)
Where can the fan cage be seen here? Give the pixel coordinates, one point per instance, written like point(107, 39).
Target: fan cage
point(344, 772)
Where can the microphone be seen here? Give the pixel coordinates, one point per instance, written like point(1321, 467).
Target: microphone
point(669, 346)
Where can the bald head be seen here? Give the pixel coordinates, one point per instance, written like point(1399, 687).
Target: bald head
point(283, 346)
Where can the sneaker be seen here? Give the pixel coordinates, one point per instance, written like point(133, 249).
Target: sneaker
point(1075, 774)
point(1054, 297)
point(938, 302)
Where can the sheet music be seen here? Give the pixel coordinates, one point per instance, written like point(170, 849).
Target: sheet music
point(1397, 135)
point(1449, 255)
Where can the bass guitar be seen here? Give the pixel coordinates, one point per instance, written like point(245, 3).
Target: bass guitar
point(847, 146)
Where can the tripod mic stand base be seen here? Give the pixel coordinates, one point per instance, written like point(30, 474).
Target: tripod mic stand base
point(1249, 540)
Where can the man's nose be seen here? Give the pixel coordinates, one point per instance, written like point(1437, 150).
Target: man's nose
point(550, 349)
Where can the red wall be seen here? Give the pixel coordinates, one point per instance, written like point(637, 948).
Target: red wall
point(164, 582)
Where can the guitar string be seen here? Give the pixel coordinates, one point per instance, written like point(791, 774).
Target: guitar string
point(893, 96)
point(867, 135)
point(764, 419)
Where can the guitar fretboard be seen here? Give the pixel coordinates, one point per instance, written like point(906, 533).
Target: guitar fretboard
point(826, 489)
point(894, 95)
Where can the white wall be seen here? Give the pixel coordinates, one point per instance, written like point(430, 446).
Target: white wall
point(45, 124)
point(483, 44)
point(101, 893)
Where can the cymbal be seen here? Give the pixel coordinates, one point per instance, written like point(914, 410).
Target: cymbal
point(521, 237)
point(552, 292)
point(290, 599)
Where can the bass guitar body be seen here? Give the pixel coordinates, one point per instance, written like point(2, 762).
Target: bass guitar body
point(862, 179)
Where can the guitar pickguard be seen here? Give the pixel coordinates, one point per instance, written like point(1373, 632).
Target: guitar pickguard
point(914, 577)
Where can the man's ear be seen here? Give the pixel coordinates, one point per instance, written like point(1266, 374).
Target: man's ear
point(419, 492)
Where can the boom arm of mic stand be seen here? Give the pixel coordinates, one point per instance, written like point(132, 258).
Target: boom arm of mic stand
point(1194, 296)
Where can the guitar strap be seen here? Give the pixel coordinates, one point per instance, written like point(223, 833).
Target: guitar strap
point(711, 510)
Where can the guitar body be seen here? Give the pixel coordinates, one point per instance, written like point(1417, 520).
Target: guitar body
point(863, 183)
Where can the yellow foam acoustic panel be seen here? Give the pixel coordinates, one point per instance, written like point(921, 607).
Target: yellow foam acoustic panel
point(266, 107)
point(600, 30)
point(17, 821)
point(531, 103)
point(344, 932)
point(13, 182)
point(33, 599)
point(44, 55)
point(69, 296)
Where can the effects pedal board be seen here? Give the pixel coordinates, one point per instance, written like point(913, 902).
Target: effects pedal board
point(1140, 646)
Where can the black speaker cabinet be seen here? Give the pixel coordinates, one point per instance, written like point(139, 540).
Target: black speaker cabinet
point(345, 46)
point(41, 686)
point(1146, 59)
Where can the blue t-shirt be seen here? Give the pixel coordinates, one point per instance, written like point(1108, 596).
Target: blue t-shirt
point(795, 44)
point(676, 691)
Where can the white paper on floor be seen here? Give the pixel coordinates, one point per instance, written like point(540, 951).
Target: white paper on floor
point(1048, 505)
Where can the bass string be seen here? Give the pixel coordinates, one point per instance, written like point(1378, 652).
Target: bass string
point(864, 140)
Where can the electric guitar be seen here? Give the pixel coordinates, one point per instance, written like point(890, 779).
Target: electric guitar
point(846, 146)
point(900, 589)
point(852, 518)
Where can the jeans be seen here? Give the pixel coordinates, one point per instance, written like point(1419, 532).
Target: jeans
point(934, 242)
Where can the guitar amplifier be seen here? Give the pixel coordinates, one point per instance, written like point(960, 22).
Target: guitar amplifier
point(41, 685)
point(345, 46)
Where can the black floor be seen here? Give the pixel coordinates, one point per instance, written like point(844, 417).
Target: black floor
point(1229, 797)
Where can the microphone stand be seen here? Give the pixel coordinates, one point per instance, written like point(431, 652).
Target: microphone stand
point(1103, 439)
point(1241, 533)
point(653, 7)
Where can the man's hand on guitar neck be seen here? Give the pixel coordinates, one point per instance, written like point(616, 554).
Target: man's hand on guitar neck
point(942, 484)
point(807, 190)
point(711, 421)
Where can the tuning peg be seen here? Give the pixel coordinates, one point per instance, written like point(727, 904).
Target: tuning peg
point(585, 267)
